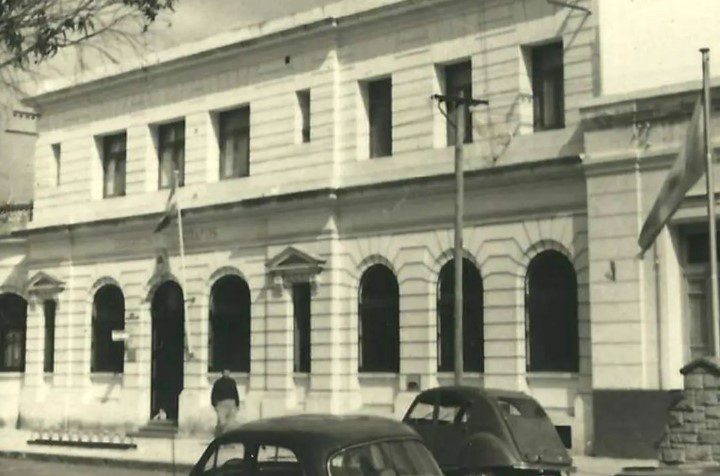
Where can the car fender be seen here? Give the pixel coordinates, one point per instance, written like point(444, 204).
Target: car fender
point(484, 450)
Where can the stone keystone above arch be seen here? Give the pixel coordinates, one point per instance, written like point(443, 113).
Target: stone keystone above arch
point(293, 265)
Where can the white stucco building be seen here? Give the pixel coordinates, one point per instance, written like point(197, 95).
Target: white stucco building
point(317, 198)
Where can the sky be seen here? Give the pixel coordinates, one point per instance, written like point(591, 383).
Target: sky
point(191, 21)
point(195, 19)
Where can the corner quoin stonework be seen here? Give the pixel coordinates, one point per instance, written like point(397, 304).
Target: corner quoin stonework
point(692, 434)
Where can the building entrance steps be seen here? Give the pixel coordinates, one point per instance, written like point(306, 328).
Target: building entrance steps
point(156, 429)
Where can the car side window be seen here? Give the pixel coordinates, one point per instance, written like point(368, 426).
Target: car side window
point(421, 412)
point(227, 459)
point(448, 414)
point(277, 461)
point(453, 413)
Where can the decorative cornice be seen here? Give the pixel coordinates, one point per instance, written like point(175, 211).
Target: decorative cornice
point(44, 284)
point(292, 265)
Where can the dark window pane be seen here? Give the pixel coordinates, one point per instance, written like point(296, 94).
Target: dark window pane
point(380, 116)
point(304, 104)
point(13, 320)
point(301, 315)
point(234, 143)
point(473, 322)
point(548, 86)
point(551, 313)
point(458, 81)
point(49, 308)
point(108, 315)
point(171, 153)
point(114, 159)
point(230, 325)
point(379, 325)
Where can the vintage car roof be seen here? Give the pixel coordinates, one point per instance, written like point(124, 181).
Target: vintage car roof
point(471, 393)
point(321, 433)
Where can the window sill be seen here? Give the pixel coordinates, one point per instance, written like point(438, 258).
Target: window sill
point(445, 374)
point(106, 377)
point(551, 375)
point(110, 197)
point(377, 375)
point(301, 375)
point(237, 376)
point(227, 179)
point(11, 374)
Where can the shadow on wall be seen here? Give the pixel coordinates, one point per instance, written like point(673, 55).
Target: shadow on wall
point(630, 423)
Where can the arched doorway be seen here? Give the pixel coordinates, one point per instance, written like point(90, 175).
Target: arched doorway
point(167, 349)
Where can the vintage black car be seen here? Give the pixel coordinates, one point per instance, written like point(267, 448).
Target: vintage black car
point(473, 430)
point(315, 445)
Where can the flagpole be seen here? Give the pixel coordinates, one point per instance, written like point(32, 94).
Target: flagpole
point(182, 262)
point(710, 186)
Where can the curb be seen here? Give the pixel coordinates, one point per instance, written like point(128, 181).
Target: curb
point(97, 461)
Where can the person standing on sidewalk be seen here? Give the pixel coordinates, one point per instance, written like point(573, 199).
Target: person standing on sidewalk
point(225, 400)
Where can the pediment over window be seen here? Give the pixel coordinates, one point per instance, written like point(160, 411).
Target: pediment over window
point(44, 284)
point(291, 264)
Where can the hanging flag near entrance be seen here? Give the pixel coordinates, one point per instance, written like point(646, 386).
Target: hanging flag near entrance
point(694, 159)
point(689, 166)
point(170, 210)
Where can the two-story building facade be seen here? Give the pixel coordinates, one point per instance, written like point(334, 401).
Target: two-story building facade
point(316, 187)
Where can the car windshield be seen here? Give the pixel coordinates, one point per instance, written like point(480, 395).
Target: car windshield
point(385, 458)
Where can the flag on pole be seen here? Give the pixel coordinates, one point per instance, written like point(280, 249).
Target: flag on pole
point(689, 166)
point(170, 210)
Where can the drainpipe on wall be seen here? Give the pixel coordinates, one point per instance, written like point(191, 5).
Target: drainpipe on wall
point(658, 316)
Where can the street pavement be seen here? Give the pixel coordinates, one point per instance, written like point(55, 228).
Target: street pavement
point(27, 467)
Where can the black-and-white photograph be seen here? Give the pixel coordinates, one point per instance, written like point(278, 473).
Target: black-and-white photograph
point(359, 237)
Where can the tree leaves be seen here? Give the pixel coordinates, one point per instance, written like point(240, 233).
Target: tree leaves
point(32, 31)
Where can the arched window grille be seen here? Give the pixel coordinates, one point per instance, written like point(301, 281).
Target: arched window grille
point(551, 311)
point(13, 321)
point(229, 338)
point(108, 315)
point(379, 325)
point(473, 324)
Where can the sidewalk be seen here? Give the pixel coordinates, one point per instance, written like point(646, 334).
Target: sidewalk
point(159, 453)
point(150, 452)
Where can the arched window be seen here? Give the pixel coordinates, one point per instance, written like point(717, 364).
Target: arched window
point(108, 315)
point(13, 319)
point(379, 326)
point(551, 313)
point(473, 331)
point(229, 325)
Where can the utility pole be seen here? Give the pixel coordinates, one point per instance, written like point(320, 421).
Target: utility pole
point(461, 104)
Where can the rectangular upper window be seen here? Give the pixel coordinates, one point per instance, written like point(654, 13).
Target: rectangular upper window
point(458, 81)
point(234, 142)
point(56, 151)
point(303, 98)
point(113, 162)
point(548, 86)
point(171, 153)
point(379, 104)
point(301, 317)
point(49, 308)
